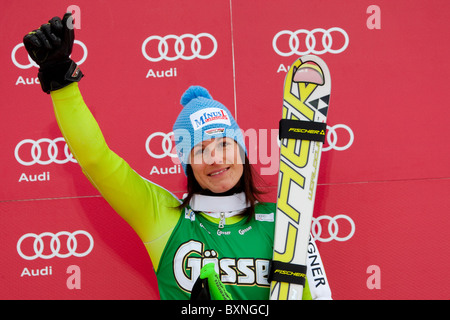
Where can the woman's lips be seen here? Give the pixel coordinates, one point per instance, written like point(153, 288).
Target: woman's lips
point(218, 172)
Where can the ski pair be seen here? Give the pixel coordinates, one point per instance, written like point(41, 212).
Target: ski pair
point(306, 99)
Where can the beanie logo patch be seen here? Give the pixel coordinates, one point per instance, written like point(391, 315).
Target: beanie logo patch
point(209, 116)
point(215, 131)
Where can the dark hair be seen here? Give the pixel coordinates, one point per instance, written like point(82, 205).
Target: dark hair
point(246, 184)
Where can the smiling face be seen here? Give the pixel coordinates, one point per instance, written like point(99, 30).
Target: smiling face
point(217, 164)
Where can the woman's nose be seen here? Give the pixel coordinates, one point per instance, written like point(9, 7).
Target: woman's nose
point(213, 156)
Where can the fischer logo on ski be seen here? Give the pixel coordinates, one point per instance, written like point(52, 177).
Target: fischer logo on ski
point(302, 130)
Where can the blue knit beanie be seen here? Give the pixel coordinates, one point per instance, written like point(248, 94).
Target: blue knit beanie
point(202, 118)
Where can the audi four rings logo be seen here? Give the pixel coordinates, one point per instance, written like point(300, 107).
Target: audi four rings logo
point(33, 64)
point(333, 228)
point(309, 44)
point(197, 42)
point(35, 153)
point(166, 145)
point(31, 250)
point(332, 138)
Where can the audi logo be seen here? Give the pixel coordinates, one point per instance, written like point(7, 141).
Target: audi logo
point(179, 46)
point(333, 228)
point(296, 46)
point(332, 138)
point(166, 145)
point(38, 248)
point(34, 154)
point(33, 64)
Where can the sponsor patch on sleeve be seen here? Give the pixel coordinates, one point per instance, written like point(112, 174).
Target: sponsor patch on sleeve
point(269, 217)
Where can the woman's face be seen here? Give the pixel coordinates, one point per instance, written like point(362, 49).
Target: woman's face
point(217, 164)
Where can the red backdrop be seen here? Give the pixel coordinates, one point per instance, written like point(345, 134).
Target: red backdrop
point(382, 204)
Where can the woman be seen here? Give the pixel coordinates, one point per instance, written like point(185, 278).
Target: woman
point(220, 221)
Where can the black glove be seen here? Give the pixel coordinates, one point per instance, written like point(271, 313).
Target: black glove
point(50, 46)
